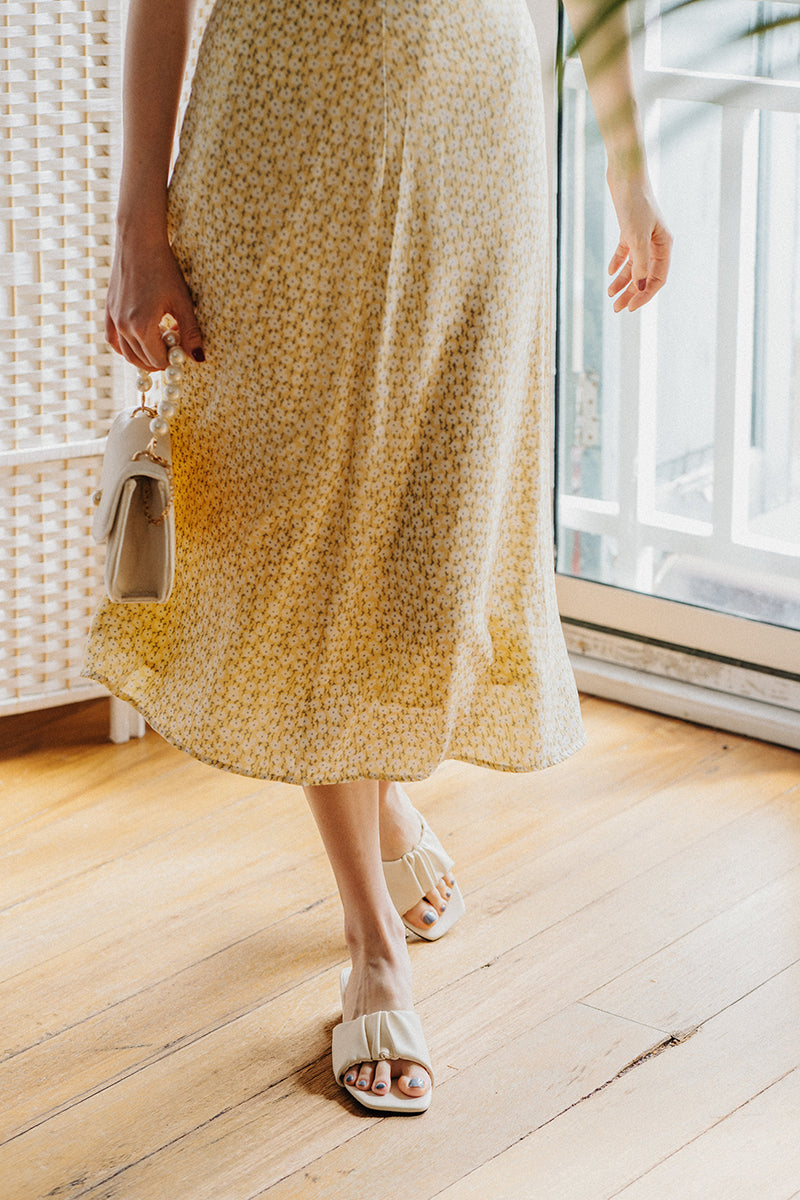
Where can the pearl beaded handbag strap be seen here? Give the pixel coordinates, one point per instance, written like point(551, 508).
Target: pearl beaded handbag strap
point(163, 413)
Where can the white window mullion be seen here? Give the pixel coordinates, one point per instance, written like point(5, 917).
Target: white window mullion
point(735, 311)
point(637, 465)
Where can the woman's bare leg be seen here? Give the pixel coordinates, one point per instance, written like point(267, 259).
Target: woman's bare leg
point(347, 818)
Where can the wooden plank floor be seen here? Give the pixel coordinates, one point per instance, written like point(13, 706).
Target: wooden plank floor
point(618, 1016)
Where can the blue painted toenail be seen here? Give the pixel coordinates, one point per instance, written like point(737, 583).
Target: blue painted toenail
point(429, 917)
point(349, 1078)
point(362, 1083)
point(380, 1087)
point(415, 1083)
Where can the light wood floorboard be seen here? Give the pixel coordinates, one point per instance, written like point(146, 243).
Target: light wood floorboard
point(616, 1016)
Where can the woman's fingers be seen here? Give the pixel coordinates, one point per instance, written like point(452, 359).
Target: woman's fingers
point(148, 349)
point(622, 280)
point(626, 286)
point(660, 254)
point(137, 339)
point(144, 347)
point(144, 287)
point(640, 262)
point(191, 339)
point(623, 288)
point(111, 335)
point(131, 351)
point(619, 257)
point(641, 258)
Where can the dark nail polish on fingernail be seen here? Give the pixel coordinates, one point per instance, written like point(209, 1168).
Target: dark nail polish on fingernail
point(642, 284)
point(429, 918)
point(198, 354)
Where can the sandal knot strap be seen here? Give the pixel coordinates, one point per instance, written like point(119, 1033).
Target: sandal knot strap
point(419, 870)
point(378, 1036)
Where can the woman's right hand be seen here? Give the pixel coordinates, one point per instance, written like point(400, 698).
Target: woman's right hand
point(641, 259)
point(146, 283)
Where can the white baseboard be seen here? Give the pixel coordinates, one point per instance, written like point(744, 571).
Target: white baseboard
point(32, 703)
point(689, 701)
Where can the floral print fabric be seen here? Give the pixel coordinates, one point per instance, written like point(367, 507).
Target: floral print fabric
point(364, 582)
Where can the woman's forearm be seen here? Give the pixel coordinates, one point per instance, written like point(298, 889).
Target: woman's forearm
point(156, 48)
point(602, 30)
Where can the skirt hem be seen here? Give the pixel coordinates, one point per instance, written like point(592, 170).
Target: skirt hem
point(401, 776)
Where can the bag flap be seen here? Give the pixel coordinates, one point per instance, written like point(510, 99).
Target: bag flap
point(129, 435)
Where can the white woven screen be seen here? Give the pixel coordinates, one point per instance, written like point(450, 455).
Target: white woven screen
point(60, 70)
point(59, 63)
point(49, 582)
point(60, 384)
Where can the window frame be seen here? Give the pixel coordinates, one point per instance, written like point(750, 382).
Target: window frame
point(728, 671)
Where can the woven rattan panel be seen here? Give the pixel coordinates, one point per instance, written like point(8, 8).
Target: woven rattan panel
point(50, 582)
point(60, 71)
point(60, 384)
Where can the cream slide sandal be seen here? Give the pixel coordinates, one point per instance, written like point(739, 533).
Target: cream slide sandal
point(409, 878)
point(377, 1036)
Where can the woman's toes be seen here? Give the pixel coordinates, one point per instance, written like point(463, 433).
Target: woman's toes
point(382, 1081)
point(364, 1080)
point(431, 906)
point(414, 1080)
point(423, 915)
point(437, 900)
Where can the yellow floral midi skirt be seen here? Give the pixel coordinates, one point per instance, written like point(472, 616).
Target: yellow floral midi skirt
point(364, 581)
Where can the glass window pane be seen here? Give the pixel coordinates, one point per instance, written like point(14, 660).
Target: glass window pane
point(715, 37)
point(689, 139)
point(773, 509)
point(679, 427)
point(585, 337)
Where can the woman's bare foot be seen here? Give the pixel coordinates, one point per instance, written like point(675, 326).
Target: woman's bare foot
point(400, 832)
point(380, 982)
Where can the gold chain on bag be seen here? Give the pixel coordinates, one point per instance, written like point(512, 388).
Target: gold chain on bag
point(147, 488)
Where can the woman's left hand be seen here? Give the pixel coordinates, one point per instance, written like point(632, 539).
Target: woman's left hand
point(641, 259)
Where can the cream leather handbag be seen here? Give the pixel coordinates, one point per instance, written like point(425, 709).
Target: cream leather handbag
point(134, 501)
point(134, 510)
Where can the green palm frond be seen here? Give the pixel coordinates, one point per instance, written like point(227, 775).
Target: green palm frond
point(612, 38)
point(768, 26)
point(607, 9)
